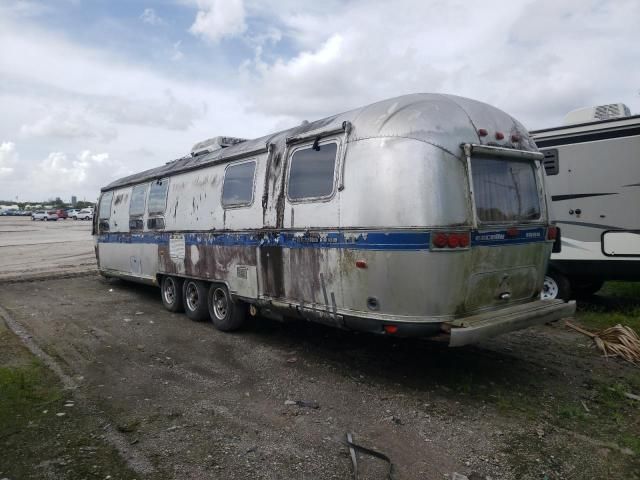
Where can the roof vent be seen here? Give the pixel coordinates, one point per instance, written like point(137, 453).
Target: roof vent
point(595, 114)
point(213, 144)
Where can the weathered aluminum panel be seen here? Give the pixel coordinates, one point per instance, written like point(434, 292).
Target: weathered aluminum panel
point(397, 182)
point(410, 284)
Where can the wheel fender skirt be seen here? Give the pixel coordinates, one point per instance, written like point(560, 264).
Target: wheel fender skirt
point(464, 331)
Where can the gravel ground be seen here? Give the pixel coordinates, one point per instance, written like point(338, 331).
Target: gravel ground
point(195, 403)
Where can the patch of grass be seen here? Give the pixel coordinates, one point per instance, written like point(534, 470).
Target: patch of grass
point(573, 412)
point(35, 441)
point(621, 289)
point(616, 303)
point(24, 389)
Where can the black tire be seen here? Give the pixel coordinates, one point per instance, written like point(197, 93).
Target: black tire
point(585, 289)
point(171, 293)
point(556, 285)
point(194, 299)
point(225, 314)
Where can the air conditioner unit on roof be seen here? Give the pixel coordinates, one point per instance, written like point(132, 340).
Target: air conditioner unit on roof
point(213, 144)
point(595, 114)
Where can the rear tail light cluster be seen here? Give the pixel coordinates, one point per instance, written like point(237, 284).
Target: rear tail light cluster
point(451, 240)
point(552, 232)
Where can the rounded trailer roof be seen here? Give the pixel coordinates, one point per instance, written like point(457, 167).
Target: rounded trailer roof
point(444, 121)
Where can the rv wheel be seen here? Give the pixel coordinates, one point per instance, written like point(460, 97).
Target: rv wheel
point(555, 286)
point(194, 295)
point(226, 314)
point(171, 289)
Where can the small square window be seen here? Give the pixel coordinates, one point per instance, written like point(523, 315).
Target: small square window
point(312, 172)
point(237, 188)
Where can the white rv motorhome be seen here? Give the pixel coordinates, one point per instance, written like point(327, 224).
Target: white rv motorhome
point(418, 215)
point(592, 170)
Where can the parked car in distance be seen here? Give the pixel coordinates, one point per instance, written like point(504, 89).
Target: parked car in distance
point(84, 214)
point(72, 211)
point(62, 214)
point(44, 215)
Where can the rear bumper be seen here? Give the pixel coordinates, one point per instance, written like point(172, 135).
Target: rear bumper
point(489, 324)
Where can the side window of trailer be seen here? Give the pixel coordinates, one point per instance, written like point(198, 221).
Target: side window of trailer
point(237, 188)
point(136, 207)
point(104, 212)
point(312, 172)
point(157, 203)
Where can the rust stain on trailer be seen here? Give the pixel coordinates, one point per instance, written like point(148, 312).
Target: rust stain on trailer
point(272, 271)
point(305, 270)
point(215, 262)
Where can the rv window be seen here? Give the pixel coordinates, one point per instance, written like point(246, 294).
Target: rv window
point(505, 190)
point(237, 188)
point(136, 206)
point(312, 170)
point(550, 162)
point(105, 206)
point(158, 196)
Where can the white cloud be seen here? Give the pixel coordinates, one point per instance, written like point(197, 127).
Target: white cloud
point(536, 60)
point(67, 174)
point(80, 97)
point(68, 124)
point(8, 158)
point(217, 19)
point(150, 16)
point(526, 58)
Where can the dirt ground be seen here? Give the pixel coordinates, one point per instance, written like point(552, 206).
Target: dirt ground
point(180, 400)
point(34, 248)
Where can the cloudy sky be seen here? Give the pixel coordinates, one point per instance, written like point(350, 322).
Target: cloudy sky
point(91, 90)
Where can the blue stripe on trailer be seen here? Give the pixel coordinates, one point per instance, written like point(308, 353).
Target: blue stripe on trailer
point(375, 240)
point(355, 240)
point(501, 237)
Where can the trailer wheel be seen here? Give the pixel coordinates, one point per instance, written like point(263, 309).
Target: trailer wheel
point(555, 285)
point(171, 290)
point(194, 294)
point(226, 314)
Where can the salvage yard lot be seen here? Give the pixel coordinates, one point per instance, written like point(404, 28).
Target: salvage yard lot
point(178, 399)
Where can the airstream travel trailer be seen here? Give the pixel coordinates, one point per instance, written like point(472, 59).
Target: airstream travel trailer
point(419, 215)
point(592, 167)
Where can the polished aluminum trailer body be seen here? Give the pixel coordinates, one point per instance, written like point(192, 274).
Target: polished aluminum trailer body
point(344, 221)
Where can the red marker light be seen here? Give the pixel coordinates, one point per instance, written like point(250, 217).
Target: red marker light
point(391, 329)
point(499, 135)
point(464, 240)
point(361, 264)
point(512, 232)
point(440, 240)
point(483, 132)
point(453, 241)
point(552, 233)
